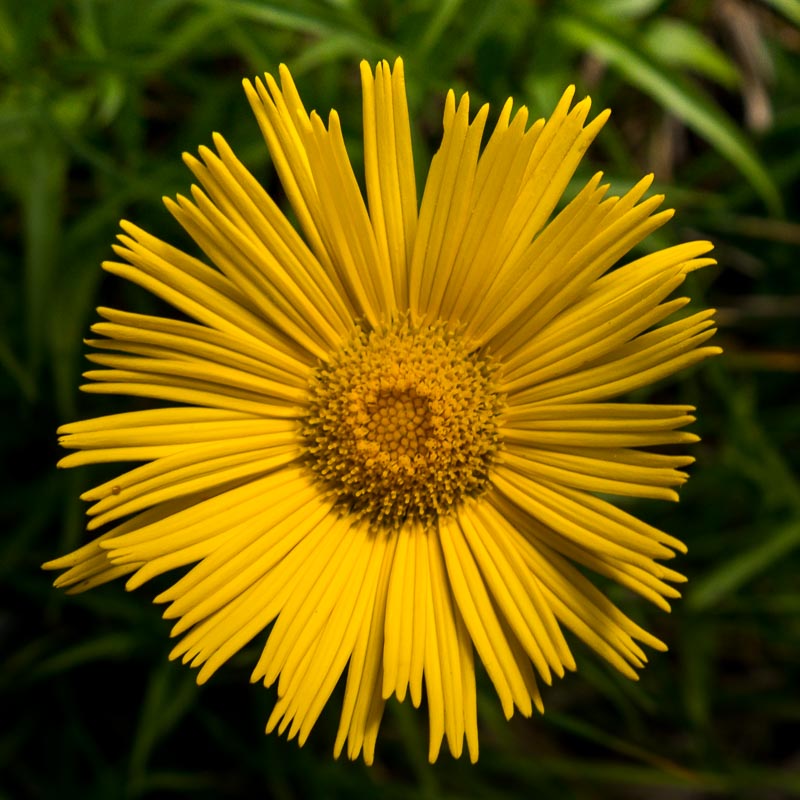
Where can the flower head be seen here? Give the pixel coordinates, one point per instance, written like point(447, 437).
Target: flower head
point(388, 436)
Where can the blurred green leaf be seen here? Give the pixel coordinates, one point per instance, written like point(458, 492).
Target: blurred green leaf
point(436, 26)
point(687, 102)
point(619, 9)
point(306, 17)
point(20, 374)
point(169, 696)
point(42, 199)
point(185, 36)
point(743, 567)
point(676, 42)
point(789, 8)
point(113, 646)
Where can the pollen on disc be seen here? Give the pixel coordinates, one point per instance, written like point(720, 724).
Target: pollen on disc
point(403, 423)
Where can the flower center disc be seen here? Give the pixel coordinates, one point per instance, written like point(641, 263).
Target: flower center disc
point(403, 423)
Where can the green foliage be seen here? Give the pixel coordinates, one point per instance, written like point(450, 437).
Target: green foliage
point(98, 98)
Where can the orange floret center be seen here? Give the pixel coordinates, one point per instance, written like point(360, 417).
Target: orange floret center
point(403, 423)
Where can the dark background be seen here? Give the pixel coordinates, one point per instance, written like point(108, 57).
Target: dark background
point(97, 101)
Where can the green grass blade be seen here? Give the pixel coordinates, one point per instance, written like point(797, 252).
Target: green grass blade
point(170, 694)
point(735, 572)
point(683, 99)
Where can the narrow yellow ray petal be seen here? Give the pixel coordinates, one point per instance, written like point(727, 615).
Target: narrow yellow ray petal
point(481, 620)
point(527, 308)
point(526, 670)
point(398, 631)
point(434, 689)
point(642, 269)
point(92, 558)
point(454, 134)
point(352, 624)
point(151, 416)
point(199, 302)
point(553, 160)
point(558, 149)
point(289, 266)
point(637, 579)
point(346, 227)
point(187, 461)
point(563, 234)
point(577, 523)
point(161, 259)
point(85, 568)
point(289, 246)
point(299, 622)
point(591, 475)
point(224, 308)
point(586, 603)
point(422, 587)
point(362, 694)
point(173, 559)
point(308, 674)
point(211, 511)
point(604, 417)
point(600, 631)
point(254, 546)
point(198, 431)
point(195, 461)
point(182, 375)
point(443, 658)
point(508, 596)
point(240, 609)
point(389, 166)
point(611, 462)
point(500, 536)
point(268, 568)
point(279, 111)
point(616, 516)
point(111, 454)
point(336, 585)
point(239, 612)
point(581, 336)
point(468, 685)
point(194, 396)
point(203, 341)
point(497, 183)
point(214, 640)
point(453, 210)
point(218, 475)
point(644, 361)
point(250, 266)
point(199, 372)
point(520, 434)
point(515, 592)
point(315, 678)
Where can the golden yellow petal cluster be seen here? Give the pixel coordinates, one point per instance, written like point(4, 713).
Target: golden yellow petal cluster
point(387, 435)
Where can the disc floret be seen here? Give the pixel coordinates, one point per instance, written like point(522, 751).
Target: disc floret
point(403, 423)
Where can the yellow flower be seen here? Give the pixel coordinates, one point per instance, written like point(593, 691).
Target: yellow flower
point(389, 435)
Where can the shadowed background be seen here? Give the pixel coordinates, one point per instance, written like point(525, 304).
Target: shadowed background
point(98, 98)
